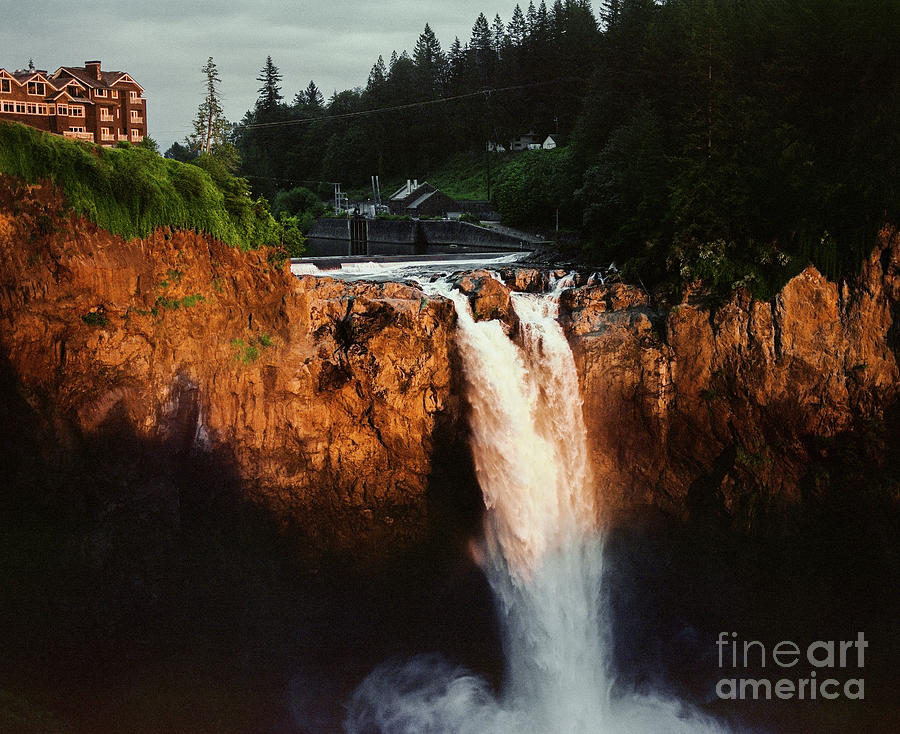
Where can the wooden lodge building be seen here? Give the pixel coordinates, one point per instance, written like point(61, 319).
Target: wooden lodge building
point(81, 102)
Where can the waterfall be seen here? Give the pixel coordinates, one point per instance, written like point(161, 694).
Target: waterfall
point(541, 553)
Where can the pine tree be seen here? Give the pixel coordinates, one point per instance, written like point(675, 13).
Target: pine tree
point(498, 35)
point(482, 40)
point(430, 62)
point(558, 19)
point(310, 98)
point(210, 126)
point(456, 66)
point(378, 75)
point(531, 18)
point(270, 92)
point(517, 30)
point(611, 13)
point(542, 26)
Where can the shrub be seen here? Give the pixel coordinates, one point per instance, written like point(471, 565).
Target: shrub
point(131, 190)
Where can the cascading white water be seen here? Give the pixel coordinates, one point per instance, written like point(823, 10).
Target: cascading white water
point(541, 552)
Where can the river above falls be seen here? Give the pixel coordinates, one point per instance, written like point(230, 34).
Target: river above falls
point(400, 267)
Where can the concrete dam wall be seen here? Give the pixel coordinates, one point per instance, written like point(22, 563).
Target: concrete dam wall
point(413, 237)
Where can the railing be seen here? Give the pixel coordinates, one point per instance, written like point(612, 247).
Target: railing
point(137, 119)
point(78, 136)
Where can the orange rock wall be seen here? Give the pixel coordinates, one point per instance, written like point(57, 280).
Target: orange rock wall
point(326, 397)
point(332, 400)
point(726, 397)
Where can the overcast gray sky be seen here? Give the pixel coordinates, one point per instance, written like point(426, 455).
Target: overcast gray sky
point(164, 43)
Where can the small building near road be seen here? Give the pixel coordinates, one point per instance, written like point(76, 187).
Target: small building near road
point(420, 200)
point(525, 142)
point(431, 204)
point(407, 194)
point(554, 140)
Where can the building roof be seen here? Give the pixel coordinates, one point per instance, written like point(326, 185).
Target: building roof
point(107, 78)
point(400, 193)
point(23, 76)
point(421, 200)
point(76, 100)
point(555, 137)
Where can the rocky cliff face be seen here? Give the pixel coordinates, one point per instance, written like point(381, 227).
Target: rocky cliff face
point(333, 403)
point(716, 409)
point(326, 399)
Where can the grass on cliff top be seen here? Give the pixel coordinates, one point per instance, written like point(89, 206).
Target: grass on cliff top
point(131, 191)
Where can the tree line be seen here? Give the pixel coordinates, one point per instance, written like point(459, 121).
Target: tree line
point(418, 108)
point(728, 140)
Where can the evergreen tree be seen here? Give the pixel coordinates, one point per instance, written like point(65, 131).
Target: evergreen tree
point(310, 99)
point(430, 63)
point(558, 18)
point(270, 92)
point(481, 47)
point(498, 35)
point(482, 40)
point(377, 76)
point(517, 30)
point(211, 129)
point(542, 23)
point(531, 18)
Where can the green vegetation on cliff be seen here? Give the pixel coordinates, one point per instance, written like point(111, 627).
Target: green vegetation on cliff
point(132, 190)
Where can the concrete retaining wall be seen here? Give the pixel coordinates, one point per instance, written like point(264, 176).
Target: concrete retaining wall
point(331, 237)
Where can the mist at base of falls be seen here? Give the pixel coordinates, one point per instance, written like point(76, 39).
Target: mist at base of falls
point(542, 554)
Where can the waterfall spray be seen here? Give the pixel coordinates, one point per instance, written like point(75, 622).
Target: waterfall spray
point(541, 553)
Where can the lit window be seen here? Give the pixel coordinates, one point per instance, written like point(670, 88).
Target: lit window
point(5, 85)
point(114, 93)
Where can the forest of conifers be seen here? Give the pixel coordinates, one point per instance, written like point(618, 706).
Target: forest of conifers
point(733, 140)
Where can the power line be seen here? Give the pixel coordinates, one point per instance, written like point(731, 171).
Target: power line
point(408, 105)
point(289, 180)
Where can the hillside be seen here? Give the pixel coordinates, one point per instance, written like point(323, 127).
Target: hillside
point(132, 190)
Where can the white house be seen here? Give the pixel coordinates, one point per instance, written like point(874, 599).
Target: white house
point(525, 142)
point(553, 141)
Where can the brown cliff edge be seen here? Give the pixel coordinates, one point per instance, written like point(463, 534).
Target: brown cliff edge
point(332, 400)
